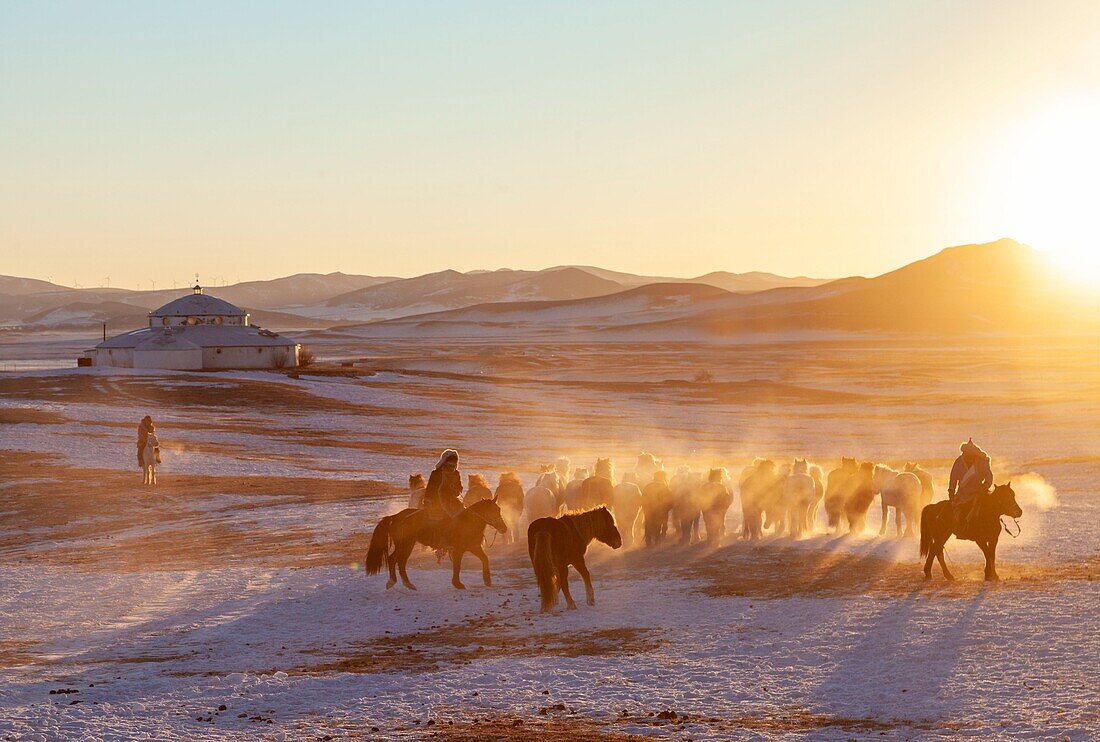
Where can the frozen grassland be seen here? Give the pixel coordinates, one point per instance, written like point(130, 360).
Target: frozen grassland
point(127, 612)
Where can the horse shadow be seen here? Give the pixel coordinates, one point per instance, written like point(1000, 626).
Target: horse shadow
point(908, 652)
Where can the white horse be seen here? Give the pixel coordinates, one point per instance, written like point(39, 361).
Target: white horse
point(900, 491)
point(627, 504)
point(149, 458)
point(799, 493)
point(540, 501)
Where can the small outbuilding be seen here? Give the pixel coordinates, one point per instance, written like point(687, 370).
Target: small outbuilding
point(197, 332)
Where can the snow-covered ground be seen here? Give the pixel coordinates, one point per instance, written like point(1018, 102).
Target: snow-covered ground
point(126, 613)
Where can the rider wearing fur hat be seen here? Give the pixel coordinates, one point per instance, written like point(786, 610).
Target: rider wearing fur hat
point(971, 476)
point(444, 486)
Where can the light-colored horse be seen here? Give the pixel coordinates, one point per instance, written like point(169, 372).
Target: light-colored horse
point(799, 492)
point(627, 506)
point(540, 501)
point(149, 458)
point(900, 491)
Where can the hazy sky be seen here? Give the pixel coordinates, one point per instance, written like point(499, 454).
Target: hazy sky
point(150, 140)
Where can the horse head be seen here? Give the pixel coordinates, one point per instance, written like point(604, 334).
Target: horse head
point(489, 511)
point(848, 463)
point(580, 473)
point(606, 531)
point(548, 479)
point(800, 467)
point(604, 468)
point(718, 475)
point(1005, 499)
point(561, 466)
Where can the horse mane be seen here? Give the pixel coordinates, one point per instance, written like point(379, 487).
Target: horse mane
point(587, 522)
point(476, 480)
point(508, 477)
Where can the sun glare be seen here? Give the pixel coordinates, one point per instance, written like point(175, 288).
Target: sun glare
point(1047, 185)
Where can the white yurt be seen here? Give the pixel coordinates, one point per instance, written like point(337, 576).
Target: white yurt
point(197, 332)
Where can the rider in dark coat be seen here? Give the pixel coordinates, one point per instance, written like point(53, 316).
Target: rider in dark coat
point(444, 486)
point(144, 428)
point(971, 477)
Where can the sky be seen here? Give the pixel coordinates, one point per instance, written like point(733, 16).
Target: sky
point(145, 142)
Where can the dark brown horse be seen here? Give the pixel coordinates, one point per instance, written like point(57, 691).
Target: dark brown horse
point(555, 543)
point(860, 496)
point(598, 490)
point(937, 525)
point(460, 534)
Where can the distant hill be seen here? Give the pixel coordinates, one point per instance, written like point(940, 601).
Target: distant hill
point(15, 286)
point(38, 304)
point(450, 290)
point(989, 288)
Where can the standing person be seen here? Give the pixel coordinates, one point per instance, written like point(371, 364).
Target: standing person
point(145, 427)
point(444, 489)
point(971, 476)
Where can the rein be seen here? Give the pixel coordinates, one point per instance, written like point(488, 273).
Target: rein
point(484, 520)
point(1005, 526)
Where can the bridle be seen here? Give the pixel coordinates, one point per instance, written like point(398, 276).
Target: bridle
point(1005, 526)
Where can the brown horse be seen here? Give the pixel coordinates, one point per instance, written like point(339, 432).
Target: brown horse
point(509, 496)
point(657, 503)
point(555, 543)
point(937, 525)
point(861, 492)
point(598, 490)
point(464, 532)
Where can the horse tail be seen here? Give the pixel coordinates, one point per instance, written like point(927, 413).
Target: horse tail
point(926, 518)
point(378, 553)
point(543, 562)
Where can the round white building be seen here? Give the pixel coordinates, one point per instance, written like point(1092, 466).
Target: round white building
point(197, 332)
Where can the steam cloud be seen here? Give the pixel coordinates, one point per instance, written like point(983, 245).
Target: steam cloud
point(1034, 492)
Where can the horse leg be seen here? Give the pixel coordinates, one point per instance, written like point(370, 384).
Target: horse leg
point(563, 582)
point(582, 570)
point(928, 562)
point(480, 554)
point(401, 557)
point(391, 563)
point(456, 563)
point(990, 550)
point(943, 565)
point(153, 473)
point(897, 520)
point(885, 517)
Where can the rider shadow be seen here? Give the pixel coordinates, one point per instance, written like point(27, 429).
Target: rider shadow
point(906, 657)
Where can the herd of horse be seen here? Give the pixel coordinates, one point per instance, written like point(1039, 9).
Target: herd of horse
point(568, 508)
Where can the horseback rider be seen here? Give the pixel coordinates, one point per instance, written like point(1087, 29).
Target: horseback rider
point(441, 497)
point(971, 477)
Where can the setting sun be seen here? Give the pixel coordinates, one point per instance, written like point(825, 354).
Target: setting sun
point(1046, 183)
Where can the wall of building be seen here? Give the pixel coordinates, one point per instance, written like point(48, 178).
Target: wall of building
point(186, 359)
point(250, 357)
point(116, 357)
